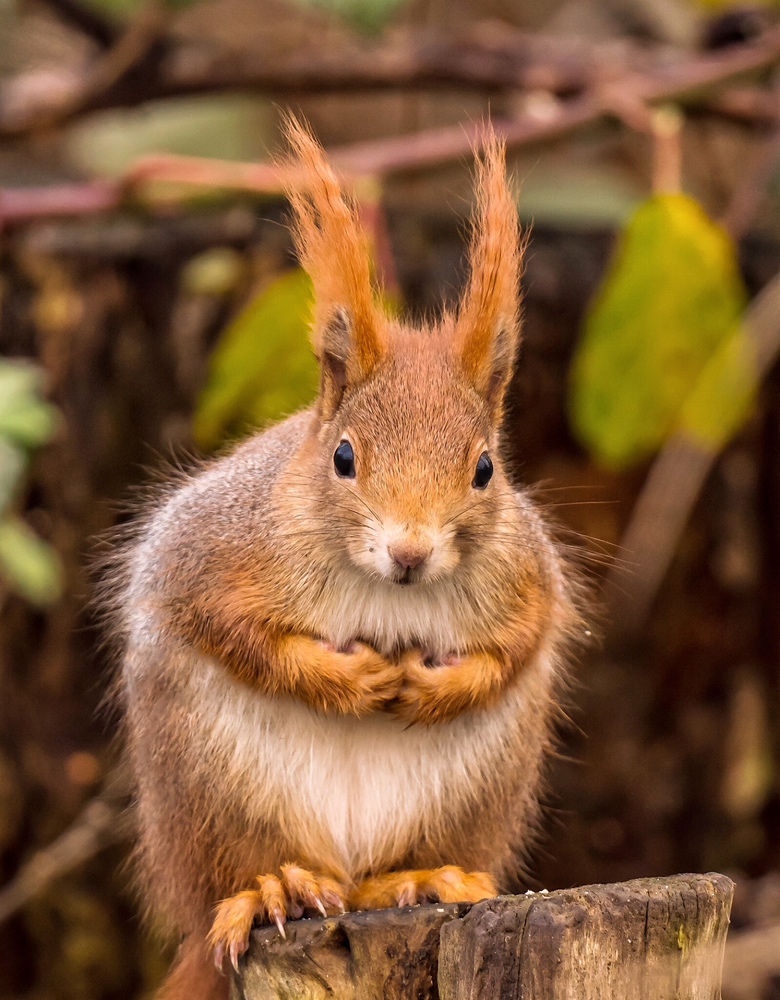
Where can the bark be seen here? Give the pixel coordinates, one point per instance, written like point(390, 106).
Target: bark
point(649, 939)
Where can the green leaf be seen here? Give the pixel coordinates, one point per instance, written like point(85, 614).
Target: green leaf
point(366, 15)
point(28, 563)
point(12, 463)
point(576, 197)
point(668, 309)
point(263, 367)
point(25, 418)
point(724, 395)
point(225, 126)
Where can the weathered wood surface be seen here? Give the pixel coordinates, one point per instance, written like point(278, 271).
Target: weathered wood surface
point(649, 939)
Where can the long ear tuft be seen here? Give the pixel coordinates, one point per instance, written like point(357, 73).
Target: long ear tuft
point(332, 245)
point(487, 331)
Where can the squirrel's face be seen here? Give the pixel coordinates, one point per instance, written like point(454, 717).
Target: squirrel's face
point(408, 421)
point(414, 480)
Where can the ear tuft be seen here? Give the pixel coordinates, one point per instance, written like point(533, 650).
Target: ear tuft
point(348, 333)
point(487, 331)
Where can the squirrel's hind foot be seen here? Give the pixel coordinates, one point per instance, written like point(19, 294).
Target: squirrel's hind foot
point(448, 884)
point(277, 899)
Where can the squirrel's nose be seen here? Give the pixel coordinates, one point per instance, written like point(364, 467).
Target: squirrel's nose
point(409, 555)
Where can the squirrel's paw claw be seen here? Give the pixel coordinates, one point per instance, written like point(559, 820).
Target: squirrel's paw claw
point(274, 901)
point(306, 891)
point(234, 917)
point(278, 919)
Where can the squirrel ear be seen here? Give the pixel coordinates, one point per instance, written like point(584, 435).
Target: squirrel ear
point(335, 348)
point(348, 332)
point(487, 331)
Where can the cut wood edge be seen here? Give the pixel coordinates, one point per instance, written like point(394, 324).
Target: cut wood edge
point(648, 939)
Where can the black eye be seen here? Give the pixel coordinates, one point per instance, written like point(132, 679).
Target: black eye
point(344, 460)
point(484, 472)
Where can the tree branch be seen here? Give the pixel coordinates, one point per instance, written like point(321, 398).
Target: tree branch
point(524, 63)
point(86, 20)
point(102, 822)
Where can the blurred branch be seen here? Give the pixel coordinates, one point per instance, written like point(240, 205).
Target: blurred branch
point(21, 204)
point(672, 488)
point(43, 99)
point(101, 822)
point(85, 19)
point(748, 104)
point(750, 191)
point(628, 98)
point(524, 63)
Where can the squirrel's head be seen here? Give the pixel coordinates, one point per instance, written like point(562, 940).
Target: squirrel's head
point(408, 440)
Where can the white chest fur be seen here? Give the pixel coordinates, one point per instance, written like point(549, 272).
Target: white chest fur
point(372, 783)
point(437, 617)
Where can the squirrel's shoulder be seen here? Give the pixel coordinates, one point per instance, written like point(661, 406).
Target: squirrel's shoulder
point(263, 456)
point(246, 474)
point(227, 498)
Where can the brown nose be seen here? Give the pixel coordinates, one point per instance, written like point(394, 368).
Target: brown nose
point(409, 555)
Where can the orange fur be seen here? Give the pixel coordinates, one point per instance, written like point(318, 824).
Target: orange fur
point(448, 884)
point(294, 691)
point(295, 891)
point(488, 322)
point(194, 974)
point(356, 681)
point(458, 685)
point(333, 248)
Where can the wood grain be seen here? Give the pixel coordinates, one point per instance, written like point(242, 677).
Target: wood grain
point(649, 939)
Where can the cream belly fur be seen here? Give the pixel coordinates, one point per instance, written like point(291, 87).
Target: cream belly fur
point(372, 783)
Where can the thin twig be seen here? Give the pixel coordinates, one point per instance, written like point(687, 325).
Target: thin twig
point(101, 822)
point(667, 151)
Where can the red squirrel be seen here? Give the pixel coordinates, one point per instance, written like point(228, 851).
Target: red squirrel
point(344, 641)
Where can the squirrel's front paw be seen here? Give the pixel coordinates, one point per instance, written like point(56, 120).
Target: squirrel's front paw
point(355, 681)
point(449, 884)
point(442, 690)
point(275, 899)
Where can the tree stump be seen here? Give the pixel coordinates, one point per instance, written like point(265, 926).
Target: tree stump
point(649, 939)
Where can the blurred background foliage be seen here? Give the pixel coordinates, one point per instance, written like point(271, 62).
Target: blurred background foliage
point(28, 565)
point(151, 309)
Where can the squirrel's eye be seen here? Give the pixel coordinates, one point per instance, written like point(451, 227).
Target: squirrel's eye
point(344, 460)
point(483, 473)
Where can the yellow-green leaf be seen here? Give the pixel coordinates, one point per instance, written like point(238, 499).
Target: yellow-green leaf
point(28, 564)
point(12, 464)
point(724, 394)
point(263, 367)
point(25, 417)
point(671, 301)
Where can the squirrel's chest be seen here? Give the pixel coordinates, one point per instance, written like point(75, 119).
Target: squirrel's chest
point(371, 786)
point(389, 617)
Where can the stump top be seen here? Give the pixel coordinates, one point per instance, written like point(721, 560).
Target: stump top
point(653, 938)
